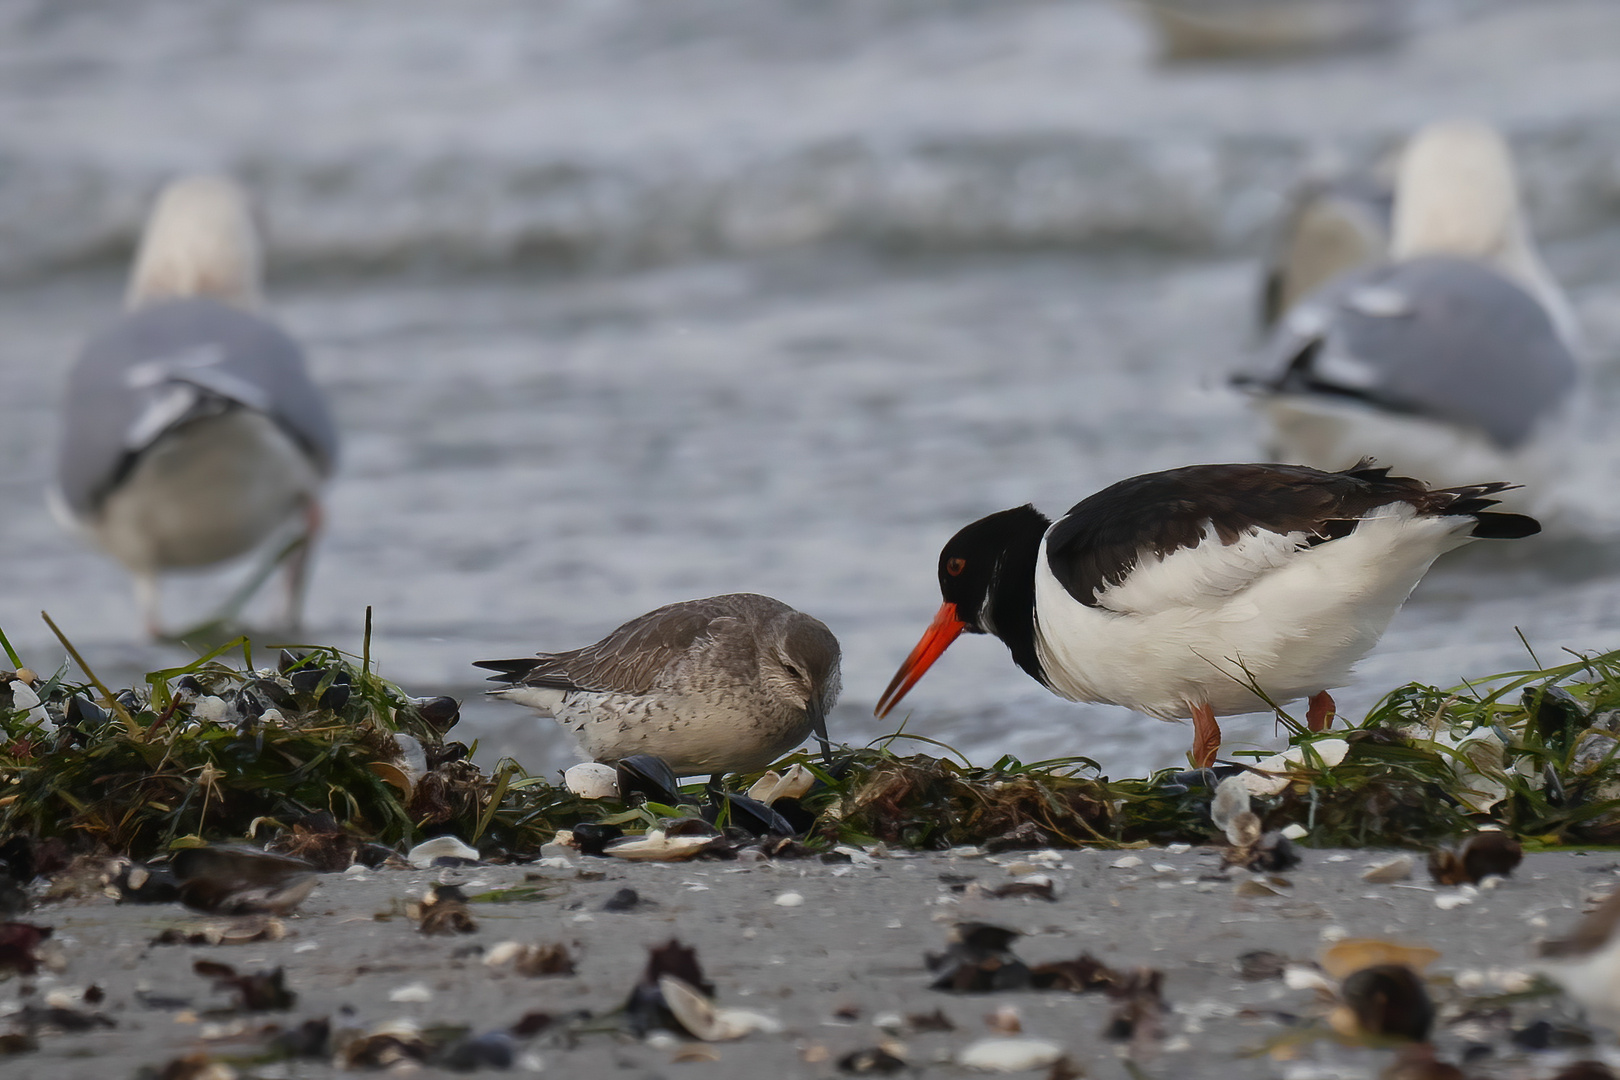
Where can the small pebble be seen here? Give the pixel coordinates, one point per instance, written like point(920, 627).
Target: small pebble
point(411, 994)
point(789, 899)
point(1126, 862)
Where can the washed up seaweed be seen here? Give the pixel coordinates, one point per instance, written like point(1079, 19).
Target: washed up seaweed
point(320, 757)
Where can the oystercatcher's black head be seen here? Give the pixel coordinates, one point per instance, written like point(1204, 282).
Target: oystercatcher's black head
point(987, 579)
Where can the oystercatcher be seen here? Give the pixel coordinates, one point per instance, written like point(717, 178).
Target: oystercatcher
point(1454, 358)
point(1194, 592)
point(191, 430)
point(723, 684)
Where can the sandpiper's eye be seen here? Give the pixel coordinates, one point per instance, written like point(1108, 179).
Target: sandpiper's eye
point(793, 671)
point(954, 567)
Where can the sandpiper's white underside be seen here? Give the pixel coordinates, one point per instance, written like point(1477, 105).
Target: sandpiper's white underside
point(1202, 624)
point(717, 729)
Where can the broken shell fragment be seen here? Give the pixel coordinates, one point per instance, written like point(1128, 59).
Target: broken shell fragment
point(592, 780)
point(699, 1016)
point(1271, 774)
point(429, 852)
point(1344, 958)
point(1009, 1055)
point(1396, 869)
point(656, 846)
point(1231, 800)
point(789, 785)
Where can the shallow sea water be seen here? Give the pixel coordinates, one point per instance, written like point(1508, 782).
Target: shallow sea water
point(654, 301)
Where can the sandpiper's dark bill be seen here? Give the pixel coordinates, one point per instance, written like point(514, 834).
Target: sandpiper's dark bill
point(722, 684)
point(1203, 591)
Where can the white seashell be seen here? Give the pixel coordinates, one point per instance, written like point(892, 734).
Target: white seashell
point(412, 758)
point(212, 709)
point(440, 847)
point(1009, 1055)
point(411, 994)
point(698, 1015)
point(502, 954)
point(1397, 869)
point(1296, 831)
point(764, 789)
point(655, 846)
point(1307, 977)
point(1244, 830)
point(1448, 901)
point(789, 899)
point(1329, 751)
point(1231, 799)
point(592, 780)
point(789, 785)
point(1126, 862)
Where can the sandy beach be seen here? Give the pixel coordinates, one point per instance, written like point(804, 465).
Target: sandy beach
point(836, 970)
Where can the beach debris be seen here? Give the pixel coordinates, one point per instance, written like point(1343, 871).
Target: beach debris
point(648, 778)
point(1382, 1002)
point(197, 1065)
point(1024, 837)
point(19, 946)
point(416, 993)
point(442, 910)
point(979, 958)
point(1345, 957)
point(446, 851)
point(129, 882)
point(1137, 1014)
point(238, 880)
point(592, 780)
point(319, 840)
point(490, 1050)
point(1260, 965)
point(1585, 1070)
point(656, 845)
point(1272, 775)
point(531, 959)
point(697, 1014)
point(1480, 856)
point(1418, 1061)
point(1009, 1054)
point(262, 991)
point(1248, 845)
point(752, 816)
point(1390, 870)
point(1005, 1020)
point(1037, 886)
point(624, 900)
point(884, 1059)
point(795, 783)
point(789, 899)
point(384, 1046)
point(928, 1021)
point(645, 1009)
point(592, 837)
point(243, 930)
point(1546, 1035)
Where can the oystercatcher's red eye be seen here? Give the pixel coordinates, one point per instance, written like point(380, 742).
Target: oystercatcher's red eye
point(954, 567)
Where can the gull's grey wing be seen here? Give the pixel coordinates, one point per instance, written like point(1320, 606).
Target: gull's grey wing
point(165, 363)
point(1437, 336)
point(632, 658)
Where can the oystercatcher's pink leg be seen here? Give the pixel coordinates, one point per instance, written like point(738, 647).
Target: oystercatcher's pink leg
point(1319, 716)
point(1206, 736)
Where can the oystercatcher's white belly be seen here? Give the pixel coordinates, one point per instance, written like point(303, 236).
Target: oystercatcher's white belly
point(1205, 624)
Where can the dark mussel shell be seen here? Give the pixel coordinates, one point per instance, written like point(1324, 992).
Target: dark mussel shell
point(650, 777)
point(593, 836)
point(276, 694)
point(1556, 713)
point(751, 815)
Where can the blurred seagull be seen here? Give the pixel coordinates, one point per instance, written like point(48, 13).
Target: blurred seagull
point(191, 430)
point(723, 684)
point(1330, 227)
point(1453, 359)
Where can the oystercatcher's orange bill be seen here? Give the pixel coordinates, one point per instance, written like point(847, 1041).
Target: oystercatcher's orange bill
point(941, 632)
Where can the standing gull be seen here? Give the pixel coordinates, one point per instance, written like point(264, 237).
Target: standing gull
point(1454, 358)
point(1182, 593)
point(191, 430)
point(723, 684)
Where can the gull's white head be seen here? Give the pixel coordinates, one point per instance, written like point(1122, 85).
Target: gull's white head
point(200, 240)
point(1456, 194)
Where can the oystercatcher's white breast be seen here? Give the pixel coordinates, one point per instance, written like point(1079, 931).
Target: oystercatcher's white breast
point(1204, 622)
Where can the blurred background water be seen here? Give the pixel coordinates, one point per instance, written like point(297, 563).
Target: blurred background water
point(621, 302)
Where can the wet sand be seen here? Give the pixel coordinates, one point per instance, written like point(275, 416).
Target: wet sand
point(854, 947)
